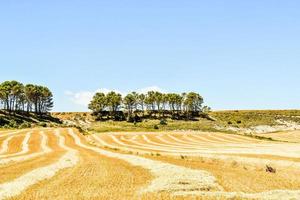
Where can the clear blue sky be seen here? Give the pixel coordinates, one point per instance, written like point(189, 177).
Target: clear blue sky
point(237, 54)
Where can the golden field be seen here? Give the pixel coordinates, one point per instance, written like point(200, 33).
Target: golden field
point(61, 163)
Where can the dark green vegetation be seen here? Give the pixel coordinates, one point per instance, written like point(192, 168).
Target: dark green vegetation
point(17, 98)
point(24, 106)
point(26, 120)
point(152, 125)
point(135, 107)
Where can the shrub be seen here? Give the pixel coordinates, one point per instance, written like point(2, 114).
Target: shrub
point(2, 121)
point(163, 122)
point(42, 124)
point(13, 124)
point(270, 169)
point(6, 126)
point(25, 125)
point(155, 127)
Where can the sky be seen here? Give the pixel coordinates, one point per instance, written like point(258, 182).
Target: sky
point(236, 54)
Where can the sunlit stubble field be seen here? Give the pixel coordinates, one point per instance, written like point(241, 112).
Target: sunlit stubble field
point(61, 163)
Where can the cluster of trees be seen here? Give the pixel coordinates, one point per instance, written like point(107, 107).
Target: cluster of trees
point(150, 105)
point(16, 97)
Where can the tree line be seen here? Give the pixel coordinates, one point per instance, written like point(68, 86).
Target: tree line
point(17, 97)
point(153, 104)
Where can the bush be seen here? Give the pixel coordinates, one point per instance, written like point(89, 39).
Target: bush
point(163, 122)
point(42, 124)
point(155, 127)
point(13, 124)
point(25, 125)
point(6, 126)
point(2, 121)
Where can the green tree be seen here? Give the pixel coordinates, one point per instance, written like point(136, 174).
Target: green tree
point(150, 100)
point(158, 96)
point(114, 101)
point(193, 102)
point(142, 98)
point(129, 102)
point(15, 97)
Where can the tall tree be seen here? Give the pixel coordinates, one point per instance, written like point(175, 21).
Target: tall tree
point(17, 97)
point(114, 101)
point(142, 98)
point(130, 102)
point(193, 102)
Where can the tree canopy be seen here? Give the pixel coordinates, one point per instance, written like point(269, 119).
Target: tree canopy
point(15, 96)
point(152, 104)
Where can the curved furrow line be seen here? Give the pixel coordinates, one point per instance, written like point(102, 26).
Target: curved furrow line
point(217, 138)
point(134, 137)
point(225, 144)
point(174, 149)
point(229, 150)
point(209, 150)
point(229, 137)
point(134, 146)
point(25, 147)
point(101, 142)
point(17, 166)
point(168, 177)
point(158, 146)
point(160, 184)
point(44, 149)
point(4, 146)
point(16, 186)
point(192, 142)
point(190, 139)
point(151, 141)
point(199, 145)
point(244, 138)
point(160, 140)
point(203, 138)
point(214, 147)
point(171, 140)
point(139, 149)
point(175, 145)
point(213, 140)
point(9, 133)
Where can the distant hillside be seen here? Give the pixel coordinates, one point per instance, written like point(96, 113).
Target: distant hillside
point(235, 121)
point(26, 120)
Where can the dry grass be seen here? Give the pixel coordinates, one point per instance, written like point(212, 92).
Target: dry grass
point(235, 176)
point(15, 144)
point(95, 177)
point(98, 176)
point(235, 172)
point(289, 136)
point(13, 170)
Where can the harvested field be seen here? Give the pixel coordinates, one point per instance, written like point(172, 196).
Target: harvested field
point(63, 164)
point(237, 162)
point(289, 136)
